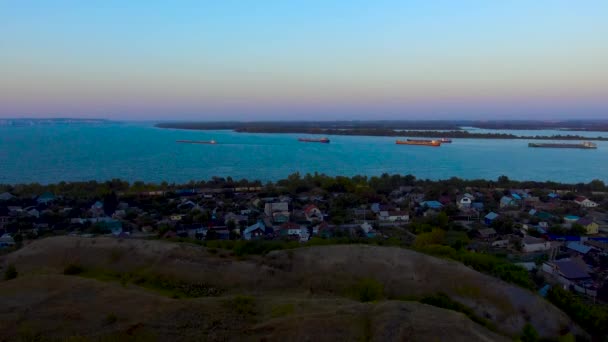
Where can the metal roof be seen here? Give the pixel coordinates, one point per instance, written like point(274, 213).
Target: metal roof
point(579, 247)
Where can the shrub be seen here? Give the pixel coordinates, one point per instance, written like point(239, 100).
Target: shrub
point(593, 318)
point(110, 319)
point(282, 310)
point(529, 334)
point(243, 305)
point(10, 273)
point(368, 290)
point(73, 269)
point(441, 300)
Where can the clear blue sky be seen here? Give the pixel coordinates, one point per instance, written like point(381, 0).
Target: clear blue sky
point(293, 60)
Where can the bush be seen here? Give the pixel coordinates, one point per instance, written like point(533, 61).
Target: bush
point(243, 305)
point(368, 290)
point(441, 300)
point(529, 334)
point(10, 273)
point(110, 319)
point(593, 318)
point(73, 269)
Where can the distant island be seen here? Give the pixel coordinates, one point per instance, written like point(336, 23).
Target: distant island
point(429, 129)
point(20, 122)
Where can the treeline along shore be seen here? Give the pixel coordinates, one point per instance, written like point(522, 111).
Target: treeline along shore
point(390, 129)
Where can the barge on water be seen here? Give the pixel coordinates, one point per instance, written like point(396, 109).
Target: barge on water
point(433, 143)
point(583, 145)
point(204, 142)
point(321, 140)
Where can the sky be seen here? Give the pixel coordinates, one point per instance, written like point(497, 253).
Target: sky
point(304, 60)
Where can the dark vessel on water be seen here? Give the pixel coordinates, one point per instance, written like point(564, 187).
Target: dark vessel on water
point(419, 142)
point(205, 142)
point(584, 145)
point(321, 140)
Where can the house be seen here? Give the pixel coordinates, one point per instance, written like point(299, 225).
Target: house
point(487, 233)
point(367, 229)
point(232, 217)
point(431, 204)
point(531, 244)
point(469, 196)
point(312, 213)
point(477, 206)
point(33, 213)
point(490, 217)
point(578, 247)
point(46, 198)
point(506, 202)
point(590, 226)
point(290, 229)
point(375, 208)
point(255, 231)
point(394, 216)
point(6, 241)
point(464, 203)
point(585, 202)
point(568, 271)
point(278, 211)
point(321, 229)
point(5, 196)
point(97, 209)
point(398, 216)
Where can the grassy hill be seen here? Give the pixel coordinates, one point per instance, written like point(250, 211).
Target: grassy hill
point(156, 290)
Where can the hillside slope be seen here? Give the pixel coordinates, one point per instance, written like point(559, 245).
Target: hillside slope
point(313, 283)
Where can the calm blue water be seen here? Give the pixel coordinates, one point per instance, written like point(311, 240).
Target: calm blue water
point(48, 154)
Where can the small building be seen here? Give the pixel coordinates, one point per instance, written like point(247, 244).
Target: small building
point(278, 211)
point(531, 244)
point(487, 233)
point(312, 213)
point(46, 198)
point(5, 196)
point(568, 271)
point(255, 231)
point(464, 203)
point(590, 226)
point(394, 216)
point(506, 202)
point(585, 202)
point(6, 241)
point(490, 217)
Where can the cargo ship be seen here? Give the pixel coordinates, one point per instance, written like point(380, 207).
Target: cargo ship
point(434, 143)
point(207, 142)
point(320, 140)
point(583, 145)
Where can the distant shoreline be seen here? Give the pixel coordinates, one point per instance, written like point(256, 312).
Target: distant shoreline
point(372, 129)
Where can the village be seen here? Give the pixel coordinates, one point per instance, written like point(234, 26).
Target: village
point(558, 235)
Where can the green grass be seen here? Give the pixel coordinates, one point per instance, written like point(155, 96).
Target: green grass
point(160, 284)
point(242, 305)
point(282, 310)
point(367, 290)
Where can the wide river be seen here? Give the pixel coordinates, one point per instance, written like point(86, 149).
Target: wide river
point(136, 151)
